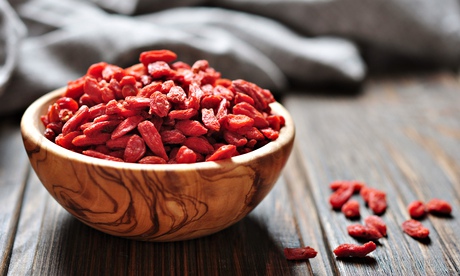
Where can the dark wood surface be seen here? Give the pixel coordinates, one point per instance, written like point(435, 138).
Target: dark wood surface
point(399, 135)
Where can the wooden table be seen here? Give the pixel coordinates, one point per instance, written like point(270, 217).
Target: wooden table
point(399, 135)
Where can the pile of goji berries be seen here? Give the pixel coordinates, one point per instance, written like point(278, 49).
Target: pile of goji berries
point(161, 111)
point(374, 227)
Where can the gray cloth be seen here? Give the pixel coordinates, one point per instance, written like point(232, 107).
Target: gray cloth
point(274, 43)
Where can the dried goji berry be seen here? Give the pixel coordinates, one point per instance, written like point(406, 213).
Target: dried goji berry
point(354, 250)
point(377, 202)
point(416, 209)
point(223, 152)
point(73, 123)
point(152, 138)
point(351, 209)
point(338, 198)
point(300, 253)
point(364, 232)
point(191, 127)
point(209, 119)
point(438, 207)
point(199, 144)
point(357, 185)
point(159, 104)
point(157, 55)
point(190, 106)
point(375, 198)
point(415, 229)
point(100, 155)
point(185, 155)
point(126, 126)
point(182, 114)
point(151, 159)
point(377, 223)
point(173, 136)
point(135, 149)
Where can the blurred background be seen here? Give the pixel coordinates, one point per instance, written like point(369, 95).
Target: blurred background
point(313, 45)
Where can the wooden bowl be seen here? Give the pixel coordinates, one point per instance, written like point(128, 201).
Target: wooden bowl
point(167, 202)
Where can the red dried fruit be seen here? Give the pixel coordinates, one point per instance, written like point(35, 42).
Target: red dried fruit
point(377, 202)
point(338, 198)
point(152, 138)
point(209, 119)
point(100, 155)
point(416, 209)
point(357, 185)
point(185, 155)
point(119, 112)
point(377, 223)
point(157, 55)
point(159, 104)
point(199, 144)
point(223, 152)
point(438, 207)
point(300, 253)
point(375, 198)
point(351, 209)
point(353, 250)
point(135, 149)
point(78, 118)
point(191, 128)
point(364, 232)
point(415, 229)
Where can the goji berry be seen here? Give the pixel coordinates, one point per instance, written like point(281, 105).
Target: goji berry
point(159, 104)
point(377, 223)
point(191, 127)
point(338, 198)
point(199, 144)
point(135, 149)
point(73, 123)
point(100, 155)
point(351, 209)
point(157, 55)
point(185, 155)
point(438, 207)
point(165, 105)
point(354, 250)
point(223, 152)
point(416, 209)
point(126, 126)
point(364, 232)
point(415, 229)
point(152, 138)
point(300, 253)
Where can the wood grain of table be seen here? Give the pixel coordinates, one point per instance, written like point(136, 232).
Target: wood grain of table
point(400, 134)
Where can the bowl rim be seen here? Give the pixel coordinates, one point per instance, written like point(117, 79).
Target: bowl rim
point(31, 124)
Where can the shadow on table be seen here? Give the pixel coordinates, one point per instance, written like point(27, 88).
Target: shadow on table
point(242, 248)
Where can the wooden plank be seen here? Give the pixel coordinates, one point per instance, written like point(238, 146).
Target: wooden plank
point(51, 242)
point(399, 136)
point(13, 169)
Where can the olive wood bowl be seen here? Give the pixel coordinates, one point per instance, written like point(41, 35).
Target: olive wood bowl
point(167, 202)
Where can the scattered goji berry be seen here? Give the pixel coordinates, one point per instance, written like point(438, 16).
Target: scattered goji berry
point(438, 207)
point(351, 209)
point(338, 198)
point(300, 253)
point(377, 223)
point(376, 199)
point(354, 250)
point(415, 229)
point(363, 232)
point(416, 209)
